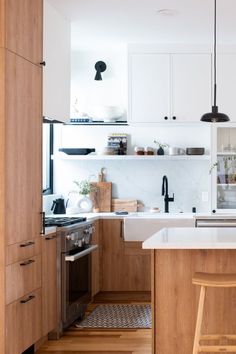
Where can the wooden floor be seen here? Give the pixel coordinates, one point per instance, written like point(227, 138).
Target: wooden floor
point(113, 341)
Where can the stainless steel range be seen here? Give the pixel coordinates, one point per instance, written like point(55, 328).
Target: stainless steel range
point(74, 268)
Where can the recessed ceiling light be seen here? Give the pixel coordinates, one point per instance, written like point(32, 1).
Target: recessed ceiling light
point(167, 12)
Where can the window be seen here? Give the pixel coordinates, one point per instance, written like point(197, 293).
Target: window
point(47, 161)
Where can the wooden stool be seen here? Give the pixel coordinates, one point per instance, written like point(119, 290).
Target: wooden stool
point(217, 281)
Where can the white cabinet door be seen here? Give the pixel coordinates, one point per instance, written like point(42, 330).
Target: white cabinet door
point(56, 74)
point(226, 84)
point(149, 90)
point(191, 86)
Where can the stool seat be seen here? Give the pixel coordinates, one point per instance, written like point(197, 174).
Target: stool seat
point(215, 280)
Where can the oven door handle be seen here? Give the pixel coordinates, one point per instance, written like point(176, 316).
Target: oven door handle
point(81, 254)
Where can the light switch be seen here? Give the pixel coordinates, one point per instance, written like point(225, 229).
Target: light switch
point(205, 197)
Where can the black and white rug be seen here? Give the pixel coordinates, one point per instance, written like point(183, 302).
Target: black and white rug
point(118, 316)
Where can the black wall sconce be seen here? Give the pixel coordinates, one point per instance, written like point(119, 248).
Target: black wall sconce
point(100, 67)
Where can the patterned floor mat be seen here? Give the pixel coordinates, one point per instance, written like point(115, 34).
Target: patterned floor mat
point(118, 316)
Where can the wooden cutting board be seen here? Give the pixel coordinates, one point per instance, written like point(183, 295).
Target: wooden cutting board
point(101, 196)
point(130, 205)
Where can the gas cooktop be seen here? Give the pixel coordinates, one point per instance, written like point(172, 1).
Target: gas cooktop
point(60, 221)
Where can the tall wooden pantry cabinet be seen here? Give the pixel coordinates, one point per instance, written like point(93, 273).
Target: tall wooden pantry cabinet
point(20, 174)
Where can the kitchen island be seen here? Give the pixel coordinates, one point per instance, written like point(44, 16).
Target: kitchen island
point(177, 253)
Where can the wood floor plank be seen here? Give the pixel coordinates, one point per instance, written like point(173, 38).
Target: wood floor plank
point(103, 341)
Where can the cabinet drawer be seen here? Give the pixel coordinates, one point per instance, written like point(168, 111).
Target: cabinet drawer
point(22, 277)
point(23, 322)
point(23, 250)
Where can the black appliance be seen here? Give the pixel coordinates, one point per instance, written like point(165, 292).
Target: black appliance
point(58, 206)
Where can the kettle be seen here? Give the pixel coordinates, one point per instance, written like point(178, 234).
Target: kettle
point(58, 206)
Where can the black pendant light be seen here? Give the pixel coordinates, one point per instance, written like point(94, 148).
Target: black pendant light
point(214, 116)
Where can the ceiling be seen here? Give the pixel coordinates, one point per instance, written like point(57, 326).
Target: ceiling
point(117, 22)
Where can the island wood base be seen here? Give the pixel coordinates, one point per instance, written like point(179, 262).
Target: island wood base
point(175, 298)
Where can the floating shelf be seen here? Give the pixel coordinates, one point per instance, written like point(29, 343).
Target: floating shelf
point(226, 184)
point(226, 153)
point(90, 157)
point(100, 123)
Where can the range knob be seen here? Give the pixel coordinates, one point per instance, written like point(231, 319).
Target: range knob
point(71, 237)
point(86, 231)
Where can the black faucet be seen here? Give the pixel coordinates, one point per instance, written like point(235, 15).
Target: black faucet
point(165, 193)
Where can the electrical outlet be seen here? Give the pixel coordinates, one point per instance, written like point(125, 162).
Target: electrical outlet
point(205, 197)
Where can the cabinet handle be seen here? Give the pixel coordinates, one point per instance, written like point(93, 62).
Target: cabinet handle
point(43, 223)
point(30, 243)
point(174, 117)
point(214, 211)
point(43, 63)
point(27, 262)
point(165, 117)
point(122, 230)
point(48, 238)
point(31, 297)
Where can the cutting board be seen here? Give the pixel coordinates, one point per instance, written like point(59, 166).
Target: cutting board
point(101, 196)
point(130, 205)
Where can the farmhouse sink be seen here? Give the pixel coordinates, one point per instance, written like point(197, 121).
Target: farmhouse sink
point(140, 227)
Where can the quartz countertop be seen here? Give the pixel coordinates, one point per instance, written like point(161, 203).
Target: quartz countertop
point(192, 238)
point(50, 230)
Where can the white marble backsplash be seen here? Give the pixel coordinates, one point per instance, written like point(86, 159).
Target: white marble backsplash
point(142, 180)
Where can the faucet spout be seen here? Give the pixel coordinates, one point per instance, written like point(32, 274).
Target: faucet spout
point(167, 199)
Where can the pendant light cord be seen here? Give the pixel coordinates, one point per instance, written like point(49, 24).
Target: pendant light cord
point(215, 55)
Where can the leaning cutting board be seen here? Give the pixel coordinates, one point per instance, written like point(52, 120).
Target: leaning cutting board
point(130, 205)
point(101, 196)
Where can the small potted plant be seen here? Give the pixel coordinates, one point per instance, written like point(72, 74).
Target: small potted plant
point(160, 150)
point(85, 188)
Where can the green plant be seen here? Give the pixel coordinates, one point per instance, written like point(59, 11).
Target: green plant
point(160, 144)
point(212, 167)
point(85, 187)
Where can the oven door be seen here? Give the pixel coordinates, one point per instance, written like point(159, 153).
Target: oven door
point(76, 284)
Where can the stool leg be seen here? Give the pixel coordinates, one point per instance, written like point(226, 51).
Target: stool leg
point(199, 320)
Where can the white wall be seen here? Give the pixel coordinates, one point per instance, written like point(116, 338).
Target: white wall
point(111, 91)
point(139, 179)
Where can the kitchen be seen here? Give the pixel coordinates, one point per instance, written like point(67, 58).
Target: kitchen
point(157, 109)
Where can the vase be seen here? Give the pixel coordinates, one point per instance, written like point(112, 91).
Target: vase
point(85, 204)
point(160, 151)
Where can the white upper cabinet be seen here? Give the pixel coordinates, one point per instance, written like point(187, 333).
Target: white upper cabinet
point(149, 89)
point(56, 74)
point(169, 87)
point(191, 86)
point(226, 84)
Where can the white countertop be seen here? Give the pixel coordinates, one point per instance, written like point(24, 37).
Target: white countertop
point(50, 230)
point(192, 238)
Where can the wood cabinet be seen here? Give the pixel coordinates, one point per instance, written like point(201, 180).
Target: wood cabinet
point(23, 277)
point(23, 31)
point(23, 138)
point(49, 283)
point(125, 266)
point(20, 173)
point(169, 87)
point(96, 256)
point(56, 73)
point(23, 322)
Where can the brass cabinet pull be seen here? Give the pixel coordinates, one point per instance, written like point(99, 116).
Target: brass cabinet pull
point(27, 262)
point(30, 243)
point(31, 297)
